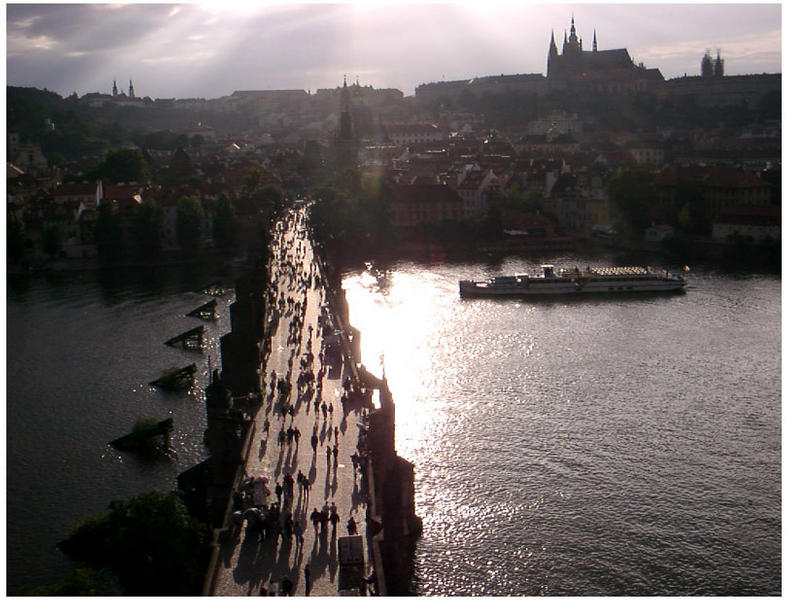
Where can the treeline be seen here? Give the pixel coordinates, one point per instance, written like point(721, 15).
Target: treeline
point(636, 205)
point(146, 546)
point(68, 127)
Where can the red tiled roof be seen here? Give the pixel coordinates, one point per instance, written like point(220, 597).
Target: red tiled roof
point(751, 215)
point(76, 189)
point(120, 192)
point(420, 193)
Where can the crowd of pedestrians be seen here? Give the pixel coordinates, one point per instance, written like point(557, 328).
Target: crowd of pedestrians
point(271, 509)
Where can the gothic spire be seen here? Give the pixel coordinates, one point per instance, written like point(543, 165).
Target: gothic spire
point(595, 45)
point(552, 45)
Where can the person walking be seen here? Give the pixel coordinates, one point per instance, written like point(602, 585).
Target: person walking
point(279, 490)
point(297, 529)
point(307, 578)
point(334, 518)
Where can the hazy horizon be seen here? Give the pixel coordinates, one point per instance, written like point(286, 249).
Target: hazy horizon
point(209, 50)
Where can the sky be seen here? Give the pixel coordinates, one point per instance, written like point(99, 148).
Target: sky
point(211, 49)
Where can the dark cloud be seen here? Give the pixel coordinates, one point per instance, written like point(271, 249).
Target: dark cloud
point(87, 27)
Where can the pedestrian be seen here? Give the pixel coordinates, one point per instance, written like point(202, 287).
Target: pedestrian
point(289, 526)
point(297, 433)
point(352, 526)
point(324, 410)
point(286, 586)
point(279, 490)
point(336, 452)
point(330, 410)
point(282, 436)
point(314, 442)
point(334, 518)
point(266, 427)
point(307, 578)
point(324, 522)
point(328, 455)
point(336, 433)
point(297, 529)
point(315, 518)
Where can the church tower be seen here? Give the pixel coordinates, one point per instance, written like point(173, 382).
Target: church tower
point(344, 142)
point(130, 89)
point(706, 67)
point(114, 88)
point(573, 45)
point(718, 65)
point(552, 57)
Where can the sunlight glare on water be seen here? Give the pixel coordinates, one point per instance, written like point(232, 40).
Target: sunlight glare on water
point(608, 446)
point(400, 324)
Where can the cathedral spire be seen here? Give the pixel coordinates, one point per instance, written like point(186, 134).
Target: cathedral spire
point(552, 45)
point(595, 45)
point(344, 98)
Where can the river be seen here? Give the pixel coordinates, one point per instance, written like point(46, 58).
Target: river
point(81, 349)
point(602, 447)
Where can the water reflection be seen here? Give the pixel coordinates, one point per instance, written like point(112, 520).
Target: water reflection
point(566, 447)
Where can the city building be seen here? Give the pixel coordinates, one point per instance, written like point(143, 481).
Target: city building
point(754, 222)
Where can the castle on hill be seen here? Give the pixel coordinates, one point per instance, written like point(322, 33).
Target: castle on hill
point(595, 70)
point(577, 71)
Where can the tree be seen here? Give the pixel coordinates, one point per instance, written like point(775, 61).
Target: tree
point(150, 541)
point(224, 223)
point(80, 582)
point(108, 232)
point(51, 240)
point(123, 166)
point(188, 226)
point(632, 193)
point(16, 238)
point(147, 228)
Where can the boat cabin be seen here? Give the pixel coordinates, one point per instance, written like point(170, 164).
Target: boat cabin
point(549, 271)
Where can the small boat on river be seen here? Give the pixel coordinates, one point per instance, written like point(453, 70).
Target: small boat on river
point(591, 280)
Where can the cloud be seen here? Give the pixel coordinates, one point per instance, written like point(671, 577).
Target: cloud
point(210, 50)
point(82, 28)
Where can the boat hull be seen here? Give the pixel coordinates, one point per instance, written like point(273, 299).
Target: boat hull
point(472, 289)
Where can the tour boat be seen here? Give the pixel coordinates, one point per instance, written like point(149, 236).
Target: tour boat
point(591, 280)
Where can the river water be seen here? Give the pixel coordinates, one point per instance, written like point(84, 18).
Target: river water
point(81, 349)
point(603, 446)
